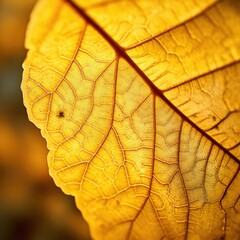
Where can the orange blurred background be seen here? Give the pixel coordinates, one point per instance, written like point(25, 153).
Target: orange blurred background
point(31, 206)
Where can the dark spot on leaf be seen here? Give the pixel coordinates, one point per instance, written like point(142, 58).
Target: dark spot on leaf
point(214, 118)
point(61, 114)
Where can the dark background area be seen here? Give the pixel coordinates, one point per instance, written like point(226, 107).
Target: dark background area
point(31, 206)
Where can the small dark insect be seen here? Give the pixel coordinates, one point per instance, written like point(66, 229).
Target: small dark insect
point(61, 114)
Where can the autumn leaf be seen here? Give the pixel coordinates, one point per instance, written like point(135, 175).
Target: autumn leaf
point(139, 104)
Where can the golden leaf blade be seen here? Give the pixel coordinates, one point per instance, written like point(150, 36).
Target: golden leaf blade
point(137, 166)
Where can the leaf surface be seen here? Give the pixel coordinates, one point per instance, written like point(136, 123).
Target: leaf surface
point(139, 104)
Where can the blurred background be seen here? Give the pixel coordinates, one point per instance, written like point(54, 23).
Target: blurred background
point(31, 206)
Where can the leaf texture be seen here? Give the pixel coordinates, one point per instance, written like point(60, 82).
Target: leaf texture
point(139, 104)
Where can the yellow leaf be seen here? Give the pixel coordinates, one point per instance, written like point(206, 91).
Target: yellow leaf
point(139, 104)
